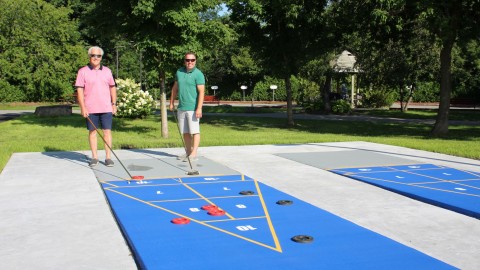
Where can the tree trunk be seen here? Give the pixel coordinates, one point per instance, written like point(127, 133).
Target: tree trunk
point(440, 127)
point(288, 85)
point(326, 93)
point(163, 105)
point(402, 98)
point(448, 34)
point(409, 97)
point(405, 104)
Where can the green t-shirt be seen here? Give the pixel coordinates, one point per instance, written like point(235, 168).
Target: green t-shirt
point(187, 87)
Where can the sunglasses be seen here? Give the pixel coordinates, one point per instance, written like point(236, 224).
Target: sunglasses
point(96, 55)
point(190, 60)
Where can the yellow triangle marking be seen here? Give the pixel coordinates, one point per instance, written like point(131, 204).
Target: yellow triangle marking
point(272, 230)
point(270, 225)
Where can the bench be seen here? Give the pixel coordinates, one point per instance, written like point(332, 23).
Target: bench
point(211, 99)
point(55, 110)
point(463, 102)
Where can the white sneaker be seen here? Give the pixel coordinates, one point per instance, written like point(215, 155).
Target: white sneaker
point(182, 157)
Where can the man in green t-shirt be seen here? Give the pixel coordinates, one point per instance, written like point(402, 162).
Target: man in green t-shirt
point(190, 87)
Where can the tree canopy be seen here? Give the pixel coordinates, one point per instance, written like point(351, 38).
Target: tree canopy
point(40, 51)
point(405, 50)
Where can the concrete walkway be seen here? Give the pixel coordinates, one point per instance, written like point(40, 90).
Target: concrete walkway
point(334, 117)
point(11, 114)
point(54, 214)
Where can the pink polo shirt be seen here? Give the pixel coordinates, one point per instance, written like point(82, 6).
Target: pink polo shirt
point(96, 85)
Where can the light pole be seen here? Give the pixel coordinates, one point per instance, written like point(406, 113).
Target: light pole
point(214, 88)
point(140, 64)
point(116, 49)
point(273, 87)
point(243, 87)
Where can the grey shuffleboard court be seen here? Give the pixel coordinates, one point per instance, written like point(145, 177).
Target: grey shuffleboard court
point(160, 167)
point(346, 159)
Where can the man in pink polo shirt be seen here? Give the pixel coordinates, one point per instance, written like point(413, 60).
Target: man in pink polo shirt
point(97, 96)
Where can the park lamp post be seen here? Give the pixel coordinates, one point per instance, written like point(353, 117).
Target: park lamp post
point(214, 88)
point(243, 87)
point(131, 43)
point(273, 88)
point(116, 49)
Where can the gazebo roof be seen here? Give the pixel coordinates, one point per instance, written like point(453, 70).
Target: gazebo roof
point(345, 62)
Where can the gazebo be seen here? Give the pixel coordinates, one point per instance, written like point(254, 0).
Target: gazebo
point(345, 63)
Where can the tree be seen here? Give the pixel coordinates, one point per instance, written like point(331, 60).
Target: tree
point(319, 71)
point(382, 22)
point(232, 64)
point(40, 51)
point(450, 21)
point(466, 70)
point(393, 48)
point(280, 33)
point(164, 30)
point(244, 65)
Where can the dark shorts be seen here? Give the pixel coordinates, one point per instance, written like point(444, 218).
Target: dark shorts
point(100, 120)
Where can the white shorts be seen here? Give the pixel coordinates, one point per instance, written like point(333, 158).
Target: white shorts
point(188, 122)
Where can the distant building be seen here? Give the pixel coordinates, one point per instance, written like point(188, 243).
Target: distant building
point(346, 63)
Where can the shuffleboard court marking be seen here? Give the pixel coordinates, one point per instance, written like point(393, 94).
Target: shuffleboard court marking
point(269, 220)
point(205, 198)
point(194, 199)
point(146, 183)
point(420, 185)
point(382, 168)
point(410, 170)
point(207, 223)
point(222, 220)
point(414, 170)
point(107, 183)
point(449, 188)
point(457, 182)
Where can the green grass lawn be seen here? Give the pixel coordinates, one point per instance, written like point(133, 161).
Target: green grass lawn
point(466, 115)
point(463, 115)
point(24, 105)
point(30, 133)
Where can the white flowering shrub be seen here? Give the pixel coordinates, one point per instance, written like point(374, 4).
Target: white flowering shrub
point(132, 102)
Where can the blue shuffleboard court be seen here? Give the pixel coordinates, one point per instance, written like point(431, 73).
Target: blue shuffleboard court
point(445, 187)
point(232, 221)
point(441, 186)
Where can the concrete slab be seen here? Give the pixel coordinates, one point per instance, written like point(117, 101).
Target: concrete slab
point(346, 159)
point(160, 167)
point(54, 214)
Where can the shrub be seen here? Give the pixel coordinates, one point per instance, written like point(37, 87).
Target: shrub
point(378, 98)
point(313, 106)
point(306, 91)
point(262, 89)
point(9, 93)
point(427, 92)
point(341, 106)
point(132, 101)
point(235, 96)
